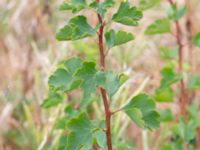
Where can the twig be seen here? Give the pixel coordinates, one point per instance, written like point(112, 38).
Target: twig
point(103, 92)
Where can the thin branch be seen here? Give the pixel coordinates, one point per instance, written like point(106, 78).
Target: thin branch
point(116, 111)
point(103, 92)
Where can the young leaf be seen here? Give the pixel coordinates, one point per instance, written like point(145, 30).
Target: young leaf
point(175, 13)
point(164, 94)
point(114, 39)
point(168, 54)
point(141, 109)
point(196, 40)
point(194, 82)
point(74, 5)
point(146, 4)
point(81, 133)
point(52, 100)
point(102, 6)
point(166, 115)
point(77, 28)
point(169, 76)
point(127, 15)
point(158, 27)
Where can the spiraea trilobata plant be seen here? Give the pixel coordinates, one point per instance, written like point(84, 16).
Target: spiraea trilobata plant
point(94, 82)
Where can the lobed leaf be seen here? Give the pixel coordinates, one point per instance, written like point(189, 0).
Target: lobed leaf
point(169, 76)
point(146, 4)
point(114, 39)
point(127, 15)
point(52, 100)
point(158, 27)
point(81, 133)
point(141, 109)
point(74, 5)
point(62, 79)
point(174, 12)
point(164, 94)
point(102, 6)
point(77, 28)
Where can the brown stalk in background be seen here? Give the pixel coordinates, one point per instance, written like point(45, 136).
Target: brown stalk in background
point(183, 94)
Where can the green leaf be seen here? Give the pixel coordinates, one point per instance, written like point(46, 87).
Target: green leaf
point(146, 4)
point(141, 109)
point(114, 39)
point(62, 79)
point(52, 100)
point(73, 5)
point(169, 76)
point(72, 65)
point(100, 138)
point(194, 82)
point(109, 81)
point(77, 28)
point(168, 54)
point(61, 123)
point(158, 27)
point(164, 94)
point(62, 142)
point(166, 115)
point(175, 13)
point(81, 133)
point(196, 40)
point(102, 6)
point(136, 115)
point(127, 15)
point(87, 73)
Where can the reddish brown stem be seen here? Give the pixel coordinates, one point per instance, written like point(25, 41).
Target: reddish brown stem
point(103, 92)
point(183, 95)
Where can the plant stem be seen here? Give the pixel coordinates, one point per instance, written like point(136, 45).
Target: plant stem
point(183, 95)
point(103, 92)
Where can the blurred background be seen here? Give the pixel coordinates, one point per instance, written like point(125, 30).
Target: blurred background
point(29, 53)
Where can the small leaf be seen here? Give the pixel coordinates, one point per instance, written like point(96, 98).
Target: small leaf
point(168, 54)
point(164, 94)
point(169, 76)
point(102, 6)
point(77, 28)
point(194, 82)
point(52, 100)
point(127, 15)
point(114, 39)
point(141, 109)
point(146, 4)
point(81, 133)
point(166, 115)
point(74, 5)
point(196, 40)
point(175, 13)
point(158, 27)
